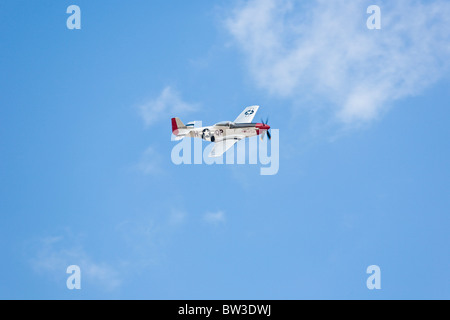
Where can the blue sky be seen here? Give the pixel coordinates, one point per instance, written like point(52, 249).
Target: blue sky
point(87, 178)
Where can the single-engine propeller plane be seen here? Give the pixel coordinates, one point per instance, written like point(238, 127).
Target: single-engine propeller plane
point(223, 134)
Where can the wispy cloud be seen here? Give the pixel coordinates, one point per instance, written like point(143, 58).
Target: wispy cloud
point(324, 49)
point(177, 217)
point(54, 254)
point(214, 218)
point(168, 104)
point(141, 242)
point(150, 162)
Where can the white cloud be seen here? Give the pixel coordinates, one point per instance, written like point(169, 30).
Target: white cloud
point(323, 49)
point(55, 254)
point(150, 162)
point(177, 217)
point(168, 104)
point(214, 218)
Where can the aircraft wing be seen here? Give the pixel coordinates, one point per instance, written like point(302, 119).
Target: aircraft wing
point(222, 146)
point(247, 115)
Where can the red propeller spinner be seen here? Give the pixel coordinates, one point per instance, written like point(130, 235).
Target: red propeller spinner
point(265, 127)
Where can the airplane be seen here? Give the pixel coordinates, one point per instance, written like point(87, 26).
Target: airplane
point(223, 134)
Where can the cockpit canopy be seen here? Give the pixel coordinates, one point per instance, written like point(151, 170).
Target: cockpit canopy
point(224, 124)
point(194, 124)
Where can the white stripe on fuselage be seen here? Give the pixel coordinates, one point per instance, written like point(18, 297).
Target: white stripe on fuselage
point(222, 132)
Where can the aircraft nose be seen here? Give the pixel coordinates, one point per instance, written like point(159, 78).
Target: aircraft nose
point(262, 126)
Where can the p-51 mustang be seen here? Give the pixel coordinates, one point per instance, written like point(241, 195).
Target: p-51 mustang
point(224, 134)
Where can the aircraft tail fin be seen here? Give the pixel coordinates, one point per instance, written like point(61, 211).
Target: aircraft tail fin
point(177, 125)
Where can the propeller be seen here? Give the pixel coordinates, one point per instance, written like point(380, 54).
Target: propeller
point(266, 131)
